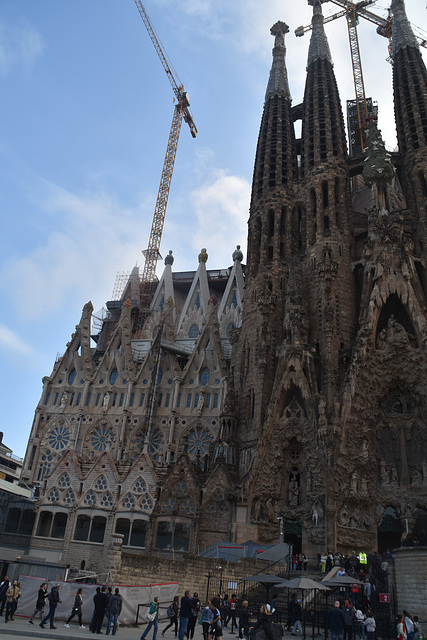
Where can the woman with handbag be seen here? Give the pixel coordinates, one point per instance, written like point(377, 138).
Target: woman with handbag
point(76, 610)
point(151, 617)
point(172, 614)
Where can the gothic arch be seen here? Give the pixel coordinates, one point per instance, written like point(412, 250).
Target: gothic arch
point(394, 322)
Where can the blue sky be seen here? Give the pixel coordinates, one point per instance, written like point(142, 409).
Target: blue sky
point(85, 115)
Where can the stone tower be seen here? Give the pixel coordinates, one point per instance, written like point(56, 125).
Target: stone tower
point(332, 274)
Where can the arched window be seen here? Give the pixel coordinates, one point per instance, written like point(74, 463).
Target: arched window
point(194, 331)
point(113, 376)
point(204, 376)
point(71, 376)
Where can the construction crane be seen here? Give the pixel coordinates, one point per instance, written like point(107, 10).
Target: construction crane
point(181, 111)
point(384, 25)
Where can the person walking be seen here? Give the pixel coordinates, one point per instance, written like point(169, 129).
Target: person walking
point(244, 620)
point(195, 608)
point(336, 622)
point(41, 599)
point(4, 586)
point(232, 610)
point(264, 622)
point(207, 618)
point(77, 609)
point(54, 600)
point(297, 619)
point(153, 613)
point(370, 625)
point(184, 615)
point(114, 608)
point(12, 595)
point(216, 626)
point(172, 613)
point(360, 619)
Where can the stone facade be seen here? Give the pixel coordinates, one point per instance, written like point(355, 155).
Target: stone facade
point(291, 387)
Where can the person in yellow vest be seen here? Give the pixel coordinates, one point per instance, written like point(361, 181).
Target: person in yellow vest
point(363, 561)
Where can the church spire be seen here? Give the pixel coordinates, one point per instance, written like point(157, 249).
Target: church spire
point(402, 33)
point(319, 46)
point(278, 81)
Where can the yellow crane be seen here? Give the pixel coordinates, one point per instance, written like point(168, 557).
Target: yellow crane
point(181, 111)
point(352, 11)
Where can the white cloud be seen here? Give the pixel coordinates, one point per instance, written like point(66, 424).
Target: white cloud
point(221, 206)
point(11, 341)
point(19, 45)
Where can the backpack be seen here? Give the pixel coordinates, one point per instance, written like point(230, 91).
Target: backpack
point(170, 612)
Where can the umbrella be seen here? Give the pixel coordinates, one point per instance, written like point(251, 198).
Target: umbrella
point(303, 583)
point(265, 578)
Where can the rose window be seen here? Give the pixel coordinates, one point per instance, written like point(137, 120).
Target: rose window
point(129, 501)
point(64, 481)
point(187, 506)
point(60, 437)
point(154, 442)
point(146, 503)
point(69, 497)
point(90, 499)
point(139, 486)
point(102, 438)
point(180, 489)
point(53, 495)
point(101, 483)
point(198, 442)
point(106, 500)
point(169, 505)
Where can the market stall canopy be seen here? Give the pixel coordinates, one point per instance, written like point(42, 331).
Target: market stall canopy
point(303, 583)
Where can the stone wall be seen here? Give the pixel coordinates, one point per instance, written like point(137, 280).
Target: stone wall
point(189, 572)
point(411, 570)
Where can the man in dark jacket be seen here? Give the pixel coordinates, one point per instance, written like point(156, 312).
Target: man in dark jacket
point(100, 602)
point(54, 599)
point(336, 622)
point(4, 586)
point(41, 598)
point(184, 615)
point(114, 608)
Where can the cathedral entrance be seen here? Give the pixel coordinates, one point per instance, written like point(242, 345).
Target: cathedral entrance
point(389, 531)
point(293, 534)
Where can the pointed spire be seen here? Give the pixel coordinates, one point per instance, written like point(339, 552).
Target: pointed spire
point(278, 81)
point(319, 46)
point(402, 34)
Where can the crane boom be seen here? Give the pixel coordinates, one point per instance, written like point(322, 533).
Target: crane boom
point(181, 112)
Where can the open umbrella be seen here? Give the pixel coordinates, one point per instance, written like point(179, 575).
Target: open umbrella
point(264, 578)
point(303, 583)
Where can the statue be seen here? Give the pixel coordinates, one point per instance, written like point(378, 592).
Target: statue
point(106, 401)
point(293, 490)
point(63, 401)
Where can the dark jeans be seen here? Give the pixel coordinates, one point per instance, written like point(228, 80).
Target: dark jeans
point(78, 613)
point(173, 621)
point(232, 617)
point(50, 616)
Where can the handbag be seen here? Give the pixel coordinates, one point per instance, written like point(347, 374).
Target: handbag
point(199, 620)
point(149, 616)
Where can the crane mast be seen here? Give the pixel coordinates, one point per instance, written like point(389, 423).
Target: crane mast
point(181, 112)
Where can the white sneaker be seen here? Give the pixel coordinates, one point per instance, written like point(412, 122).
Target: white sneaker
point(82, 626)
point(67, 626)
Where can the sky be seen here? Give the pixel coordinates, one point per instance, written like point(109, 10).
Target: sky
point(85, 113)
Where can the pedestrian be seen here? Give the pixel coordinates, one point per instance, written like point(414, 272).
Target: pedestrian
point(184, 615)
point(370, 625)
point(151, 616)
point(291, 611)
point(400, 627)
point(336, 622)
point(264, 621)
point(4, 586)
point(195, 608)
point(114, 608)
point(77, 609)
point(224, 610)
point(418, 630)
point(232, 610)
point(172, 614)
point(207, 618)
point(409, 624)
point(41, 599)
point(360, 619)
point(100, 604)
point(216, 626)
point(12, 595)
point(349, 616)
point(54, 600)
point(244, 620)
point(297, 618)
